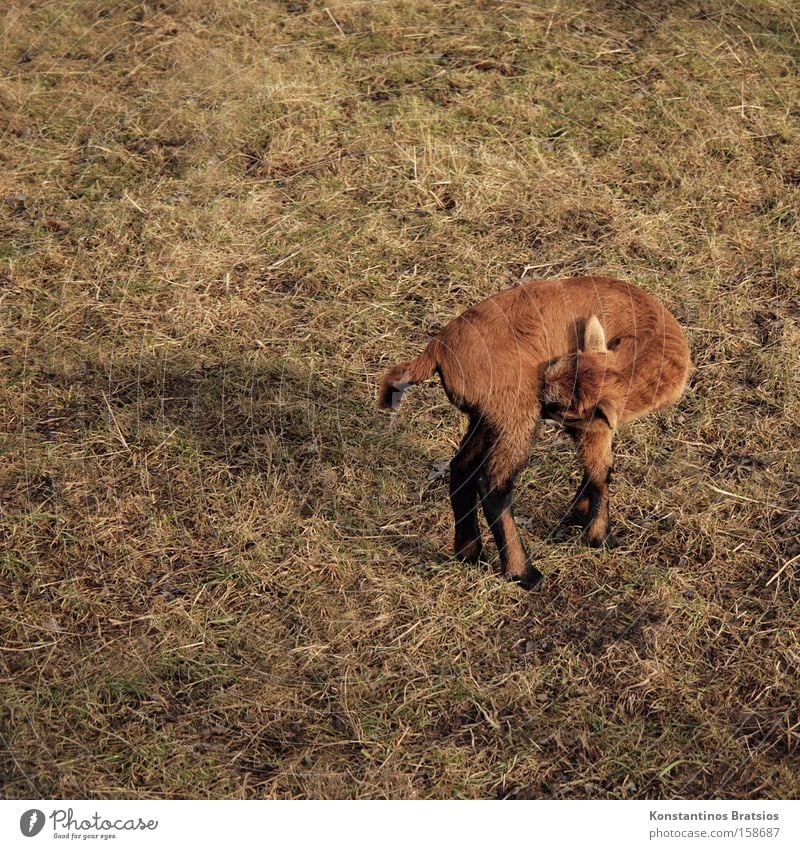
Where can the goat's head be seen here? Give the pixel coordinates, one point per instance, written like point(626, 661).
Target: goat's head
point(584, 390)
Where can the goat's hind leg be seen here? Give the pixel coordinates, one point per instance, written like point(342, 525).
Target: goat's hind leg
point(464, 469)
point(496, 484)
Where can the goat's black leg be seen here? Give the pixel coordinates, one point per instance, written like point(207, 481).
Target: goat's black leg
point(578, 510)
point(594, 449)
point(496, 484)
point(464, 469)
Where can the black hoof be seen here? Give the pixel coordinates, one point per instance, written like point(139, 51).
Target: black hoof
point(530, 578)
point(573, 519)
point(470, 553)
point(610, 541)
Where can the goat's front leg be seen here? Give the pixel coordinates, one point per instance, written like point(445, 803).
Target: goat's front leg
point(464, 470)
point(578, 510)
point(591, 502)
point(495, 485)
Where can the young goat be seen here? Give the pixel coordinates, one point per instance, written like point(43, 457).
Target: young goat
point(540, 350)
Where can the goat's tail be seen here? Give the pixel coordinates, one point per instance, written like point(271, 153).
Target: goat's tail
point(395, 382)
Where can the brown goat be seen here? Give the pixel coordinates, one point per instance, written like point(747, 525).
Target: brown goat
point(540, 350)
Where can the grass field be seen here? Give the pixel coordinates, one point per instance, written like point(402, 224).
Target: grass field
point(224, 573)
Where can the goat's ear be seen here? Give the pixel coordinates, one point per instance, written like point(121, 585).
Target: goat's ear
point(561, 374)
point(559, 381)
point(556, 370)
point(606, 411)
point(594, 337)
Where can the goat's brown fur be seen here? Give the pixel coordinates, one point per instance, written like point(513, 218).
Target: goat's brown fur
point(589, 353)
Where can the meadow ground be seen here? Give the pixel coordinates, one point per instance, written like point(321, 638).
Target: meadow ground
point(224, 574)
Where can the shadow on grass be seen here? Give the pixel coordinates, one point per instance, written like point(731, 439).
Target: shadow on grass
point(315, 429)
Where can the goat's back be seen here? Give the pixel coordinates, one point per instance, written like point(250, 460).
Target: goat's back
point(500, 347)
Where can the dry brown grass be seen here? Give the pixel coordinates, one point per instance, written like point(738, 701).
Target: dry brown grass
point(223, 574)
